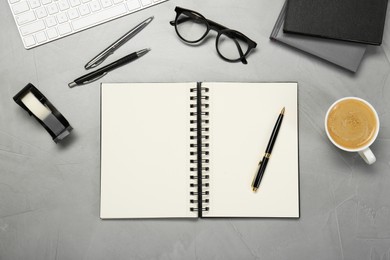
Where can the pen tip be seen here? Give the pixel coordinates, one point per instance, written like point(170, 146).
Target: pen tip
point(254, 189)
point(282, 112)
point(143, 52)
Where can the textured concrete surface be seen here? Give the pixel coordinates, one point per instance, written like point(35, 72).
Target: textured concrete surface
point(49, 194)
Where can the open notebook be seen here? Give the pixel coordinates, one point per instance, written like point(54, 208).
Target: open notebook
point(188, 150)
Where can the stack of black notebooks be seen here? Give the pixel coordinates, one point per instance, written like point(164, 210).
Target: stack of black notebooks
point(335, 30)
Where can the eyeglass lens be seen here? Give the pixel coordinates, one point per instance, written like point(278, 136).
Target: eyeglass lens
point(191, 27)
point(231, 47)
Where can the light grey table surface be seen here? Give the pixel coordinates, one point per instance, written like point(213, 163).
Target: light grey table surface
point(49, 194)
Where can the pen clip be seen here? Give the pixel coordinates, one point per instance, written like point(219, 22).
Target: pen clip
point(260, 163)
point(92, 80)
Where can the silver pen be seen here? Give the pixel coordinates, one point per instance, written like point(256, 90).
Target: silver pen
point(118, 43)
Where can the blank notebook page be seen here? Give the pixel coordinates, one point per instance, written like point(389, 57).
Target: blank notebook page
point(145, 142)
point(242, 117)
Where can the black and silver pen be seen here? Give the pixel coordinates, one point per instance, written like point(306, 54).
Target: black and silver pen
point(97, 74)
point(263, 163)
point(118, 43)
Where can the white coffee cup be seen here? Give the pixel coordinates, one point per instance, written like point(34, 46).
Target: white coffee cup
point(365, 151)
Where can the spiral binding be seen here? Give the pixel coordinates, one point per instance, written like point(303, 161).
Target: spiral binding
point(199, 149)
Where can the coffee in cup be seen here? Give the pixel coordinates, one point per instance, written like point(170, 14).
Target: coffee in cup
point(352, 124)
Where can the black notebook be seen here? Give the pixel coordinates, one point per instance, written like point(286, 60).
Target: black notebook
point(188, 150)
point(350, 20)
point(345, 54)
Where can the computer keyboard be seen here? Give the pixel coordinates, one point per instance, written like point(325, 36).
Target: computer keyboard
point(42, 21)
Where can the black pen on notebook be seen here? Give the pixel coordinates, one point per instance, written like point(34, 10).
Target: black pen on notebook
point(97, 74)
point(263, 163)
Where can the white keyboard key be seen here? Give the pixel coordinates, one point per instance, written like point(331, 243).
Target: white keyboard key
point(25, 18)
point(101, 16)
point(75, 3)
point(64, 28)
point(34, 3)
point(32, 27)
point(45, 2)
point(29, 41)
point(41, 12)
point(50, 21)
point(95, 6)
point(133, 4)
point(106, 3)
point(13, 1)
point(146, 2)
point(62, 18)
point(20, 7)
point(84, 10)
point(52, 33)
point(41, 37)
point(118, 1)
point(52, 9)
point(63, 5)
point(73, 14)
point(86, 1)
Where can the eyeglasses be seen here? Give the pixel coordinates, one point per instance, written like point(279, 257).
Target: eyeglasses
point(192, 27)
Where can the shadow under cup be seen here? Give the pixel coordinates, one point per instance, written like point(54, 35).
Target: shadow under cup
point(352, 124)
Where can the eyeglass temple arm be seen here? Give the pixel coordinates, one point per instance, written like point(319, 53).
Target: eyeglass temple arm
point(182, 20)
point(243, 60)
point(216, 26)
point(213, 25)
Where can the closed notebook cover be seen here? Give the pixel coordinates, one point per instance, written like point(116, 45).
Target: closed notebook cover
point(345, 54)
point(350, 20)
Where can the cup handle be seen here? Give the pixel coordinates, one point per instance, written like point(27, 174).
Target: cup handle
point(367, 156)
